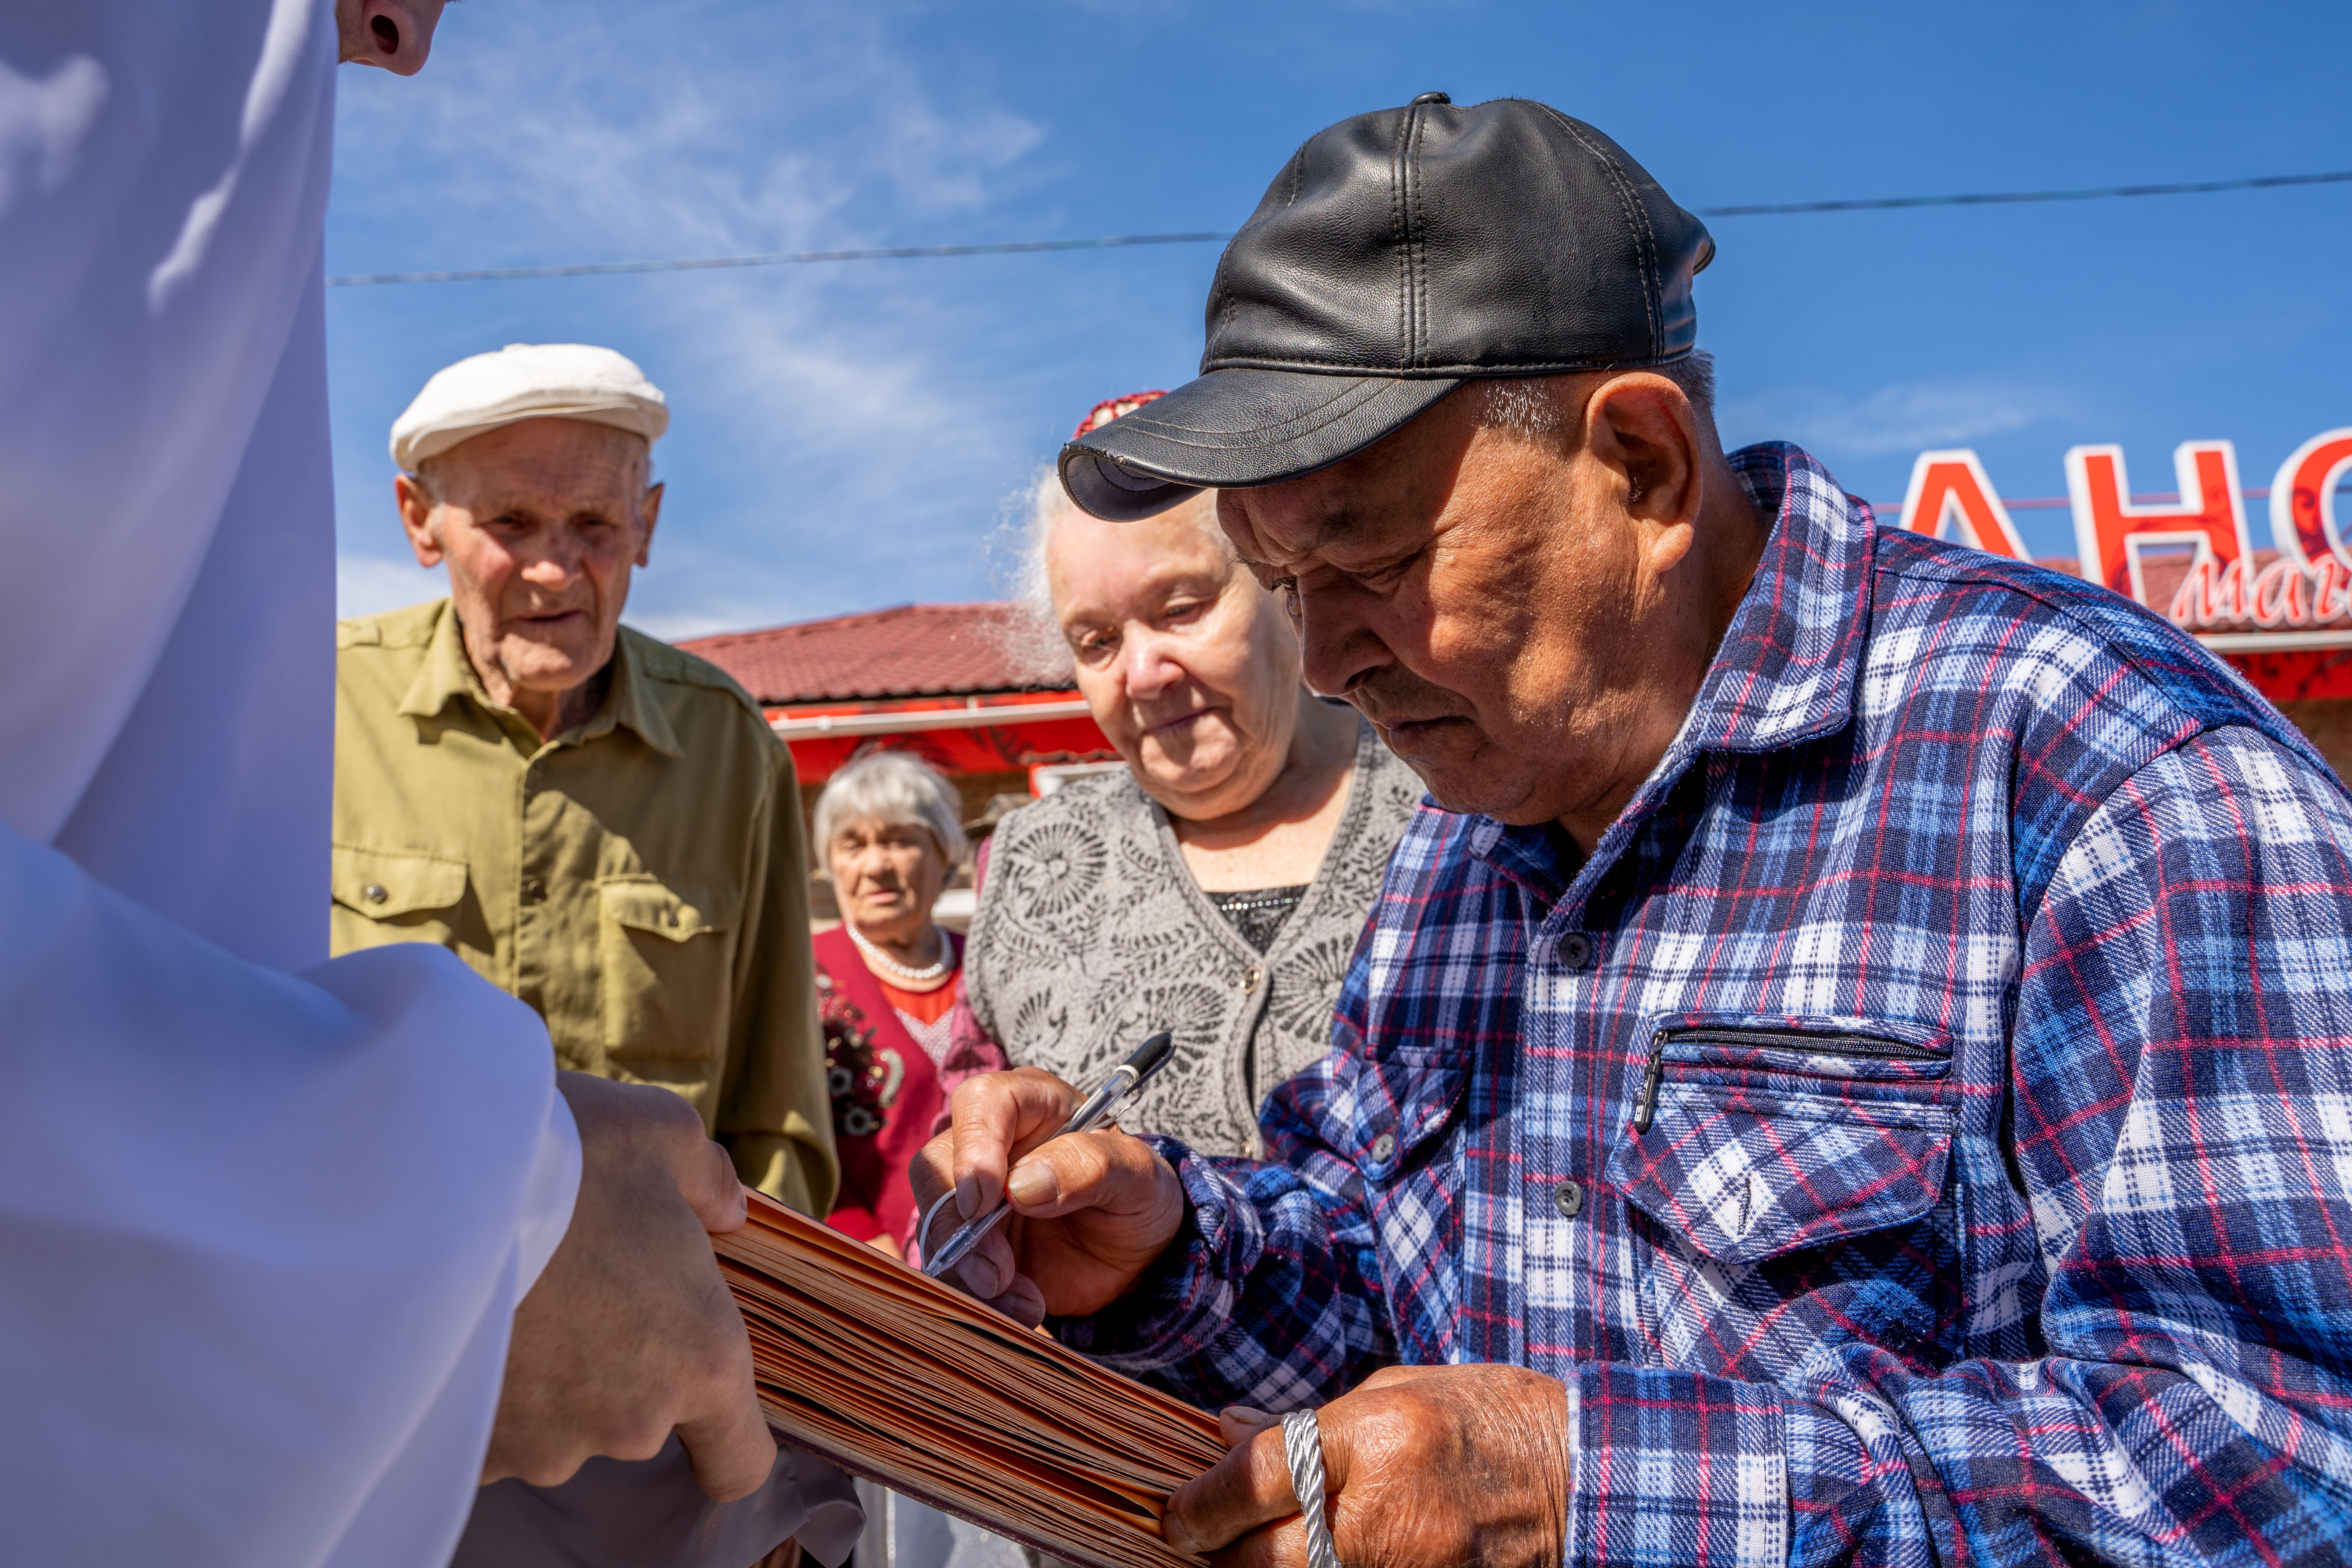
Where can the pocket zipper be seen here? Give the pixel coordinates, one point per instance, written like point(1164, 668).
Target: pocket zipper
point(1879, 1048)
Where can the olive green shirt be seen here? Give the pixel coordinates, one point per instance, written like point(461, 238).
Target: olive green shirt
point(642, 880)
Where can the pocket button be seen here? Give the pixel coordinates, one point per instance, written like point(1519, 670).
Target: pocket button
point(373, 893)
point(1569, 1199)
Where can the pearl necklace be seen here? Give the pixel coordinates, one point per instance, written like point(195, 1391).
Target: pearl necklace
point(908, 978)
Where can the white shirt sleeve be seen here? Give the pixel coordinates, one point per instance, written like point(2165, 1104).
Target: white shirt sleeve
point(264, 1235)
point(264, 1221)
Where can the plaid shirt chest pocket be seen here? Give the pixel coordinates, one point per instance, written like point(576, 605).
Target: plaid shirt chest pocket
point(1785, 1181)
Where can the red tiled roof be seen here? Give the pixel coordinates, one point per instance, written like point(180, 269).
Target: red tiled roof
point(909, 650)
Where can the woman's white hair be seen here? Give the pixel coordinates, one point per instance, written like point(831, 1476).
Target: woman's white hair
point(897, 790)
point(1036, 629)
point(1033, 636)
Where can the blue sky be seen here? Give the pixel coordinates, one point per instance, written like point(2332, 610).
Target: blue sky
point(850, 436)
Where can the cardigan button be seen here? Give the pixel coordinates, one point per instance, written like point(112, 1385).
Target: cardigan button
point(1250, 978)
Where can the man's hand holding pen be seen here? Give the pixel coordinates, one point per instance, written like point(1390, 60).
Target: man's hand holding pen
point(1091, 1210)
point(1426, 1466)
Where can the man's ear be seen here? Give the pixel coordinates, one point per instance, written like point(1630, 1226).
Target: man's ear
point(417, 519)
point(1642, 426)
point(648, 514)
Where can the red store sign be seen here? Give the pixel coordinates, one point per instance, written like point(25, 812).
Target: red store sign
point(2275, 613)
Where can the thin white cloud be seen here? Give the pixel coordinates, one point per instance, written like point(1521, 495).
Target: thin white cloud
point(642, 131)
point(1904, 417)
point(644, 134)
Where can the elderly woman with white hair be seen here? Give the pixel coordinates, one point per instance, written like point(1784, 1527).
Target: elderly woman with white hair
point(887, 982)
point(1215, 887)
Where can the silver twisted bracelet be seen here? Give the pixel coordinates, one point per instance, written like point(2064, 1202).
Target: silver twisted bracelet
point(1302, 1444)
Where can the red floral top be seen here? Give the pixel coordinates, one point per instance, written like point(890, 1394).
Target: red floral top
point(890, 1074)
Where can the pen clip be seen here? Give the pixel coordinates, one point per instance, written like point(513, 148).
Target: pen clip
point(1148, 1060)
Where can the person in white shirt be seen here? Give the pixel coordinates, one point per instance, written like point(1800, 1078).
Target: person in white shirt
point(272, 1291)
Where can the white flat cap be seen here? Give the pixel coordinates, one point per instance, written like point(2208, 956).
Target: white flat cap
point(528, 381)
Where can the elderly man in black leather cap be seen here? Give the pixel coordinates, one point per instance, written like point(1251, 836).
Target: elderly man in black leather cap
point(1850, 1066)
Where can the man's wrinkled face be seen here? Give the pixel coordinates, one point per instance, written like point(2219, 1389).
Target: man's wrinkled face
point(540, 522)
point(1483, 598)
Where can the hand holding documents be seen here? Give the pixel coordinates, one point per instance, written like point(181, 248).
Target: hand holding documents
point(867, 1363)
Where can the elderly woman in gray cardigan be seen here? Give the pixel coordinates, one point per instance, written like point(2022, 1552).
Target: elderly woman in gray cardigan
point(1215, 887)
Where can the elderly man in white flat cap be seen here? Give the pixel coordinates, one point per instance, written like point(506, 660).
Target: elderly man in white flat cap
point(597, 822)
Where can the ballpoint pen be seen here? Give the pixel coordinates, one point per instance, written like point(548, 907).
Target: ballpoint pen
point(1126, 1081)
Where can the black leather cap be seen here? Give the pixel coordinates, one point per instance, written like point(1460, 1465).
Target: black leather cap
point(1396, 256)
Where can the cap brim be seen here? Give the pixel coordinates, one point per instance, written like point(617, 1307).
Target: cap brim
point(1234, 428)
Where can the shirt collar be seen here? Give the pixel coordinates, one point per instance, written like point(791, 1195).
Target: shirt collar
point(1787, 669)
point(1539, 857)
point(447, 675)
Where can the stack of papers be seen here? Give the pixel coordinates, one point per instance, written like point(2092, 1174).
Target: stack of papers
point(867, 1363)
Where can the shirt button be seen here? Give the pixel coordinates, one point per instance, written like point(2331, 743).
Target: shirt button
point(534, 892)
point(1569, 1199)
point(373, 893)
point(1382, 1147)
point(1575, 950)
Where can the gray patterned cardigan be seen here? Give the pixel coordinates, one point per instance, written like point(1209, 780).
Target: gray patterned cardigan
point(1091, 933)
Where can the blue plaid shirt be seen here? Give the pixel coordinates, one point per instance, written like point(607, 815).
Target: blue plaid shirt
point(1919, 1132)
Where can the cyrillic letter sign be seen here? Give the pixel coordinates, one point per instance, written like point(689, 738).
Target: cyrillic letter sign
point(2110, 532)
point(2307, 589)
point(2303, 500)
point(1948, 487)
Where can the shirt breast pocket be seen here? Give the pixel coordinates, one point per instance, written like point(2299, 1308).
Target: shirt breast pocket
point(1785, 1183)
point(666, 958)
point(394, 895)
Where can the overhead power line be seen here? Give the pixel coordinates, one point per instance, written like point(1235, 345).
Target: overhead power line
point(779, 258)
point(2003, 198)
point(1204, 237)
